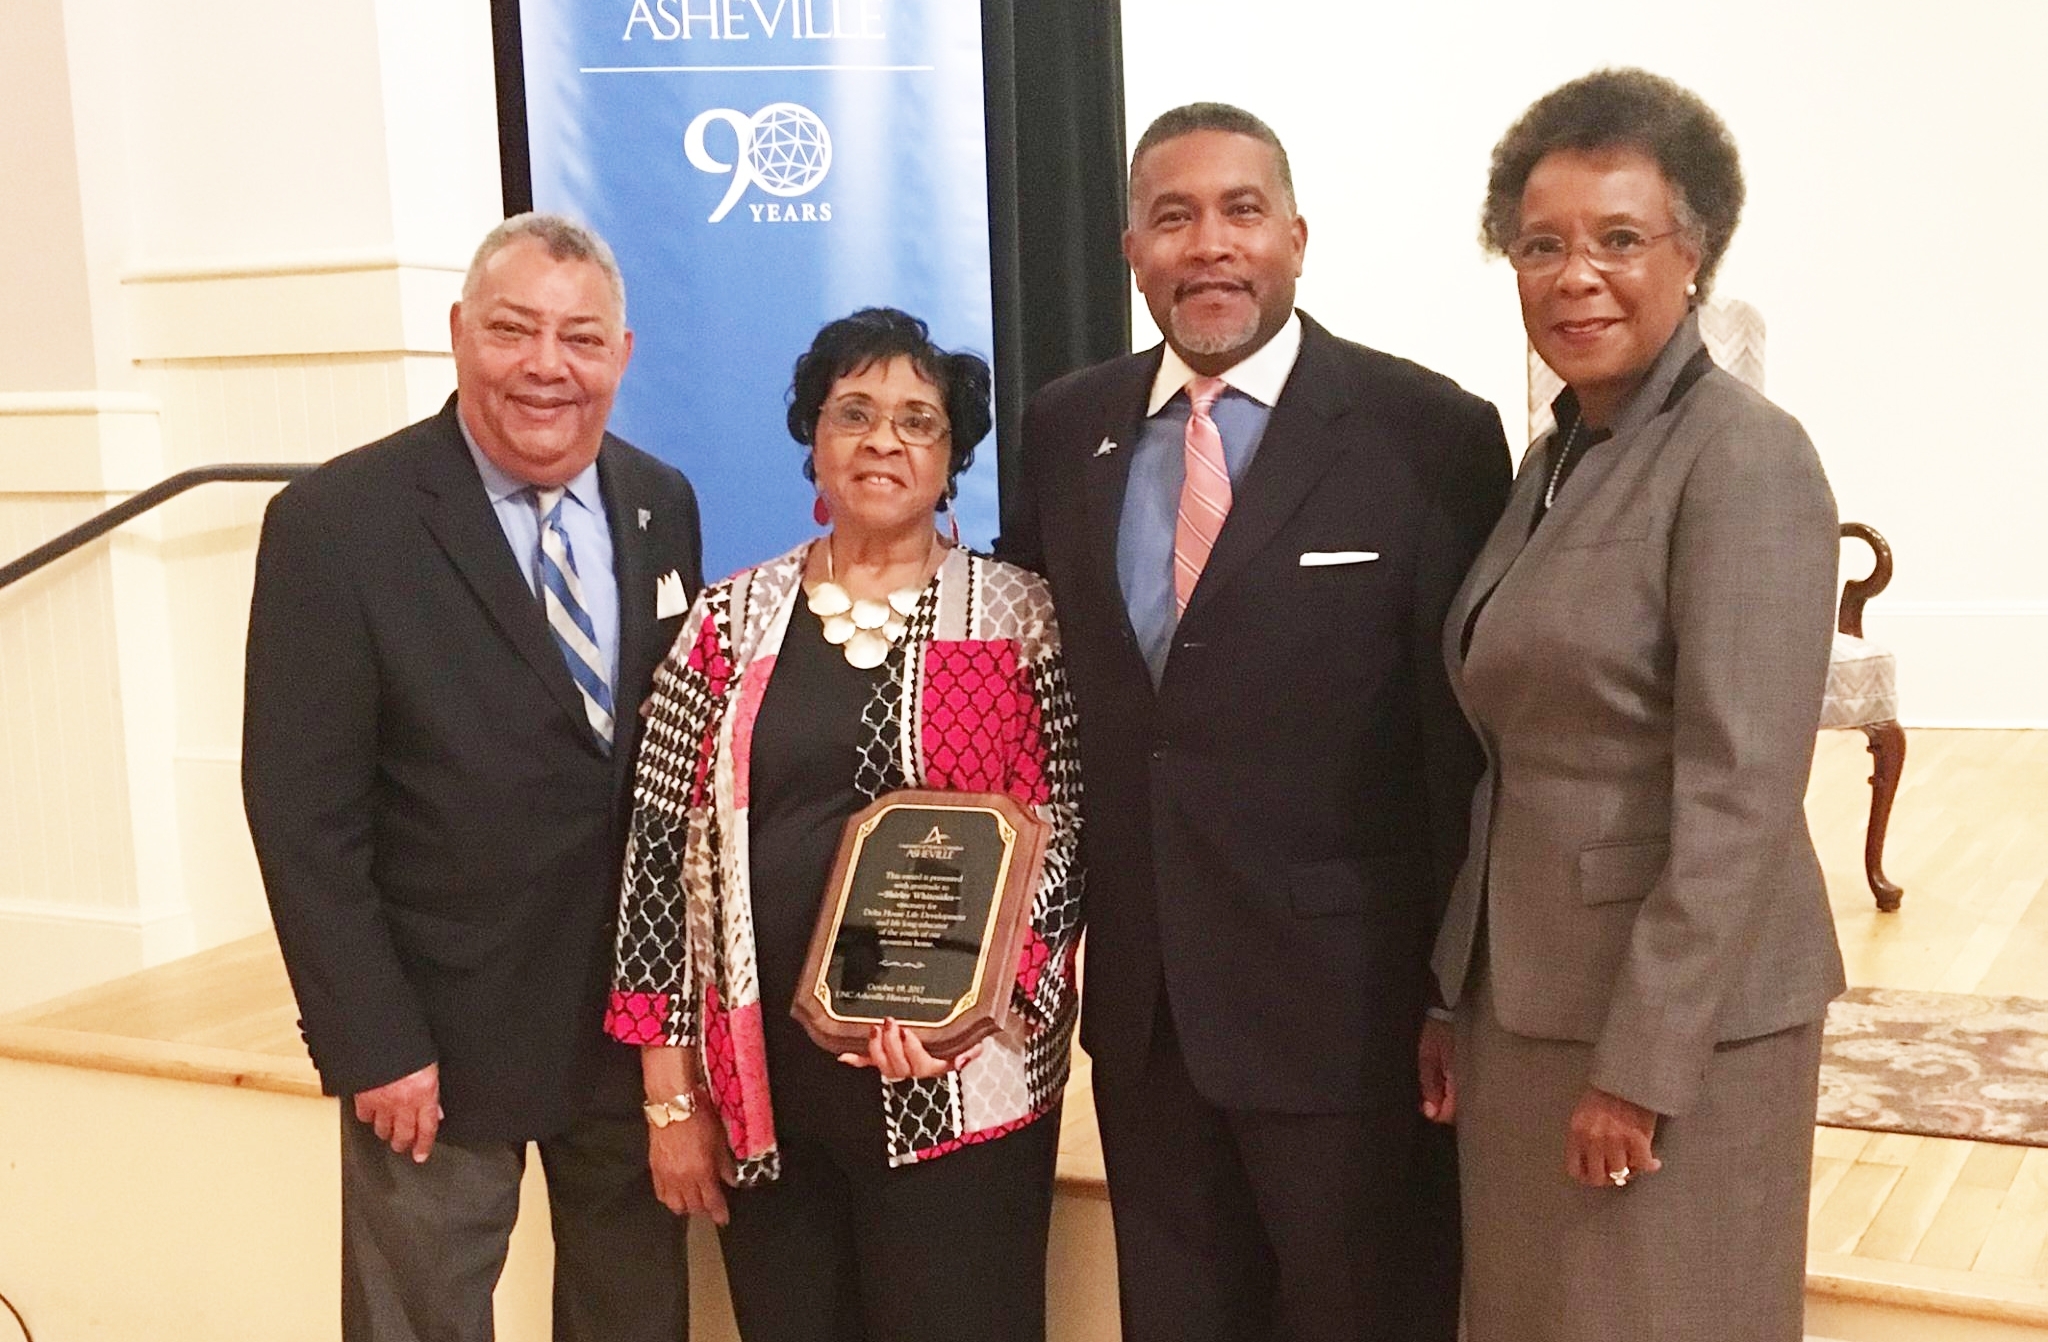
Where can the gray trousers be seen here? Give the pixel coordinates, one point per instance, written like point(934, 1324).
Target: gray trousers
point(422, 1246)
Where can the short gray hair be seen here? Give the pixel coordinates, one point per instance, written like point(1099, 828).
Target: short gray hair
point(1191, 117)
point(565, 239)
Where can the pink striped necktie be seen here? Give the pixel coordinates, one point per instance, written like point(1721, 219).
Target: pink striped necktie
point(1204, 492)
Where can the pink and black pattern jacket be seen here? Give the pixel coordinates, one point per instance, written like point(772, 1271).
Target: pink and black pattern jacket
point(975, 700)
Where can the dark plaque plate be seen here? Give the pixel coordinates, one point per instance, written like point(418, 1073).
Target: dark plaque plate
point(923, 921)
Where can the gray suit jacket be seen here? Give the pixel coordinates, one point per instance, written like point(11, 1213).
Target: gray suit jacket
point(1645, 674)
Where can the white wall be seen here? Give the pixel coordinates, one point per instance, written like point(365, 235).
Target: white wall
point(1894, 156)
point(212, 1213)
point(244, 224)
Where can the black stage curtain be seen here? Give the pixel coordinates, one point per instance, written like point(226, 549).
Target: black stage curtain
point(508, 56)
point(1055, 81)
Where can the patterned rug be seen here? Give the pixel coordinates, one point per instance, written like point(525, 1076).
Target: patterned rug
point(1937, 1065)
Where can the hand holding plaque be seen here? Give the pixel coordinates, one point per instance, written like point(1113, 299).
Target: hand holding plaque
point(923, 921)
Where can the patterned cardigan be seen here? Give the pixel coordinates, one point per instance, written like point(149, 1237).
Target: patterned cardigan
point(975, 699)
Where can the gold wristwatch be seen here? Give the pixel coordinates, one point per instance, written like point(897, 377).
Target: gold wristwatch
point(676, 1109)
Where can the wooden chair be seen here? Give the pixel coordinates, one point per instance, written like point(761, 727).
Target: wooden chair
point(1862, 676)
point(1863, 693)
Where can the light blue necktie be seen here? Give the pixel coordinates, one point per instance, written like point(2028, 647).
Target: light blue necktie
point(568, 619)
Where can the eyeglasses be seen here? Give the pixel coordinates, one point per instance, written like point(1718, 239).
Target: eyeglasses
point(915, 426)
point(1617, 249)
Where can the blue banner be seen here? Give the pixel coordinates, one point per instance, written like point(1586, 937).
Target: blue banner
point(761, 167)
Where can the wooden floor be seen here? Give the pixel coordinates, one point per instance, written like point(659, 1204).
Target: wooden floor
point(1951, 1219)
point(223, 1016)
point(1969, 842)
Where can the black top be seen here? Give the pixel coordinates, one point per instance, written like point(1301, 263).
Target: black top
point(1575, 444)
point(806, 751)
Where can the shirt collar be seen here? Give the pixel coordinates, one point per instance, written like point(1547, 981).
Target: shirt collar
point(1653, 395)
point(500, 486)
point(1259, 375)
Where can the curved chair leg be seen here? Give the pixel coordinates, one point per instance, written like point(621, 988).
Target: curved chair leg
point(1888, 756)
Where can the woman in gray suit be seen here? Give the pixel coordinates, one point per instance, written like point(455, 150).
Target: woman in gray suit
point(1639, 948)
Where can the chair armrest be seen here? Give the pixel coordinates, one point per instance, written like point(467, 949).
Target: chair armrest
point(1856, 591)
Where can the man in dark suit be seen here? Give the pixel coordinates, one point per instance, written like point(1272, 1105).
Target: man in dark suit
point(1277, 774)
point(452, 629)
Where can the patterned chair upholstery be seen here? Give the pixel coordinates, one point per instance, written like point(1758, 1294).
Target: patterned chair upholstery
point(1862, 683)
point(1863, 691)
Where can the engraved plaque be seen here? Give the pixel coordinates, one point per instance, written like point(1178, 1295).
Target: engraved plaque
point(923, 920)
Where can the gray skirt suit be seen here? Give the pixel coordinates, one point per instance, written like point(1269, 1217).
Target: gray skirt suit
point(1641, 909)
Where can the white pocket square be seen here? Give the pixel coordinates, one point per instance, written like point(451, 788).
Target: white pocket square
point(1330, 558)
point(669, 597)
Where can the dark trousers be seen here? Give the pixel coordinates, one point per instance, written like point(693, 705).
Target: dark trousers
point(842, 1248)
point(1242, 1225)
point(422, 1246)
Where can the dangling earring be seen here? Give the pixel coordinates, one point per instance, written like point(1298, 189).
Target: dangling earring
point(952, 520)
point(820, 513)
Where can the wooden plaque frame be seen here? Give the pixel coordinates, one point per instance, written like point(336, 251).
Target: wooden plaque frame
point(838, 1019)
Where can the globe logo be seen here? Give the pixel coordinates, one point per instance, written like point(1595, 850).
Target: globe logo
point(784, 149)
point(792, 151)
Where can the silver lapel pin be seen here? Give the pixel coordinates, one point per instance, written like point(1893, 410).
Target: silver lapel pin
point(1108, 446)
point(644, 515)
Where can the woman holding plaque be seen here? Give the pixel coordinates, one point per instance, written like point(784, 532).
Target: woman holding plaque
point(1639, 944)
point(884, 1193)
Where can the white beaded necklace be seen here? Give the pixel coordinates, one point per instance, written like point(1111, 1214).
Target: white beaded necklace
point(1571, 439)
point(864, 629)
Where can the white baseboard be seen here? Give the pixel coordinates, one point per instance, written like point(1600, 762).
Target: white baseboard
point(1967, 663)
point(47, 950)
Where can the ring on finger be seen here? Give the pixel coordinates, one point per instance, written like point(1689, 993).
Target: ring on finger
point(1619, 1178)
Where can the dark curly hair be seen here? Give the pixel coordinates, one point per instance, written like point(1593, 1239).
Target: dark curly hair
point(1631, 109)
point(877, 335)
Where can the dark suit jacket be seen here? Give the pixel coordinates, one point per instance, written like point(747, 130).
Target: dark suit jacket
point(1271, 834)
point(439, 831)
